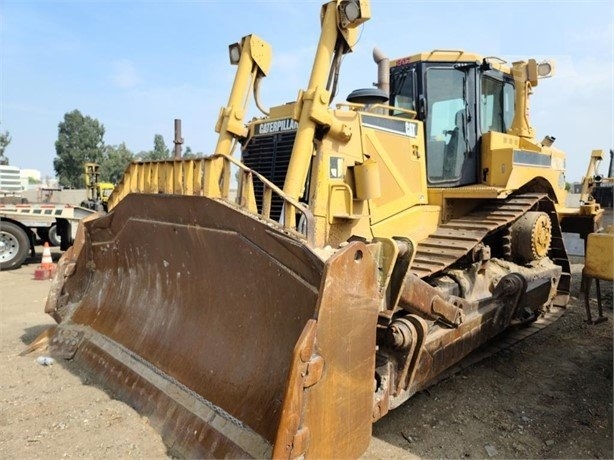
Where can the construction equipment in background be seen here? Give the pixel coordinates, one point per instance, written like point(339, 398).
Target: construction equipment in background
point(371, 246)
point(23, 223)
point(595, 187)
point(20, 224)
point(604, 186)
point(598, 265)
point(98, 193)
point(587, 218)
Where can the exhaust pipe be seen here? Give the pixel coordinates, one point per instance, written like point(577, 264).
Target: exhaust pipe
point(383, 70)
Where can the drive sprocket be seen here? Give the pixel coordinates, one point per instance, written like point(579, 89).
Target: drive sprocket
point(531, 236)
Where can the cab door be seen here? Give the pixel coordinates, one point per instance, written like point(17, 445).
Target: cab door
point(450, 125)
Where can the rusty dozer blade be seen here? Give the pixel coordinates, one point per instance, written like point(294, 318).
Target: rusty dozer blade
point(234, 338)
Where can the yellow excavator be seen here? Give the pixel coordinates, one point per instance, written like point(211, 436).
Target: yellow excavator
point(369, 246)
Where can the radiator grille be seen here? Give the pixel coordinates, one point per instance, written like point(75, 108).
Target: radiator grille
point(270, 156)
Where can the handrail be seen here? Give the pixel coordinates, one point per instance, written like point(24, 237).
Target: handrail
point(246, 199)
point(371, 108)
point(187, 177)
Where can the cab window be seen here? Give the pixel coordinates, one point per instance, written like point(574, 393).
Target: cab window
point(496, 105)
point(445, 124)
point(403, 91)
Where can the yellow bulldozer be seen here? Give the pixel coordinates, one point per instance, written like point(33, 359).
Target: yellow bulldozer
point(369, 246)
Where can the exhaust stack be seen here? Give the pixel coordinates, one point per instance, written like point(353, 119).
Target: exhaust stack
point(383, 70)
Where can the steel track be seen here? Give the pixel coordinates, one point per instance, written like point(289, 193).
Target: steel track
point(456, 238)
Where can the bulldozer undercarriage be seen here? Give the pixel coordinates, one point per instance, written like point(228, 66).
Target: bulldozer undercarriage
point(155, 300)
point(530, 238)
point(479, 282)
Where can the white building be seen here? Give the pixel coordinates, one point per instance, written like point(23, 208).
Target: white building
point(10, 180)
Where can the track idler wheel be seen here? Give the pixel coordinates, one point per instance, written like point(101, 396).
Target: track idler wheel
point(399, 334)
point(531, 235)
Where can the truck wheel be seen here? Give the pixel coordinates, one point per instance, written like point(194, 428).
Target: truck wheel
point(14, 246)
point(48, 235)
point(54, 239)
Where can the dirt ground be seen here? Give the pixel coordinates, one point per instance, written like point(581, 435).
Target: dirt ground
point(549, 396)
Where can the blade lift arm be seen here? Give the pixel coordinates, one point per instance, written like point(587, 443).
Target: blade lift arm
point(253, 58)
point(526, 75)
point(340, 20)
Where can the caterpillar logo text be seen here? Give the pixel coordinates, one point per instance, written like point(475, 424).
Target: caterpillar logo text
point(271, 127)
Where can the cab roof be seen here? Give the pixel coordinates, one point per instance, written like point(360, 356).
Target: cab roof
point(452, 56)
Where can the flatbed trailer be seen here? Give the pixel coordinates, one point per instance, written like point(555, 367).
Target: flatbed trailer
point(20, 224)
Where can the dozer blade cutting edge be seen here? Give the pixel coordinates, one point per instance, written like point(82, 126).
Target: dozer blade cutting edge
point(233, 338)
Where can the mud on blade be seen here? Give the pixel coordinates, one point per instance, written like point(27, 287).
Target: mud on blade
point(234, 338)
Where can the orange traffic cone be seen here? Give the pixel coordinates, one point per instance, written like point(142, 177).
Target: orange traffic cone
point(47, 261)
point(46, 270)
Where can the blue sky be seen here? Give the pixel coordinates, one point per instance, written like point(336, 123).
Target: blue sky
point(137, 65)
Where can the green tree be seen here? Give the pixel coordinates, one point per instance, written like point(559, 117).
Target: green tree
point(188, 154)
point(80, 140)
point(5, 140)
point(117, 158)
point(159, 152)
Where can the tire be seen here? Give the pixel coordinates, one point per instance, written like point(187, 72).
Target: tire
point(53, 238)
point(48, 235)
point(14, 246)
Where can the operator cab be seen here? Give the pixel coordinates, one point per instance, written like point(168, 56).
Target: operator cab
point(459, 97)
